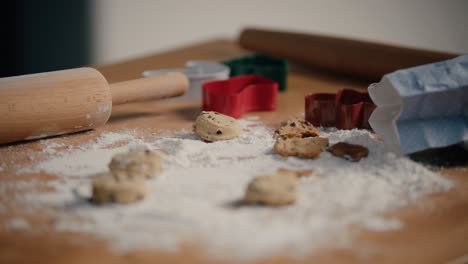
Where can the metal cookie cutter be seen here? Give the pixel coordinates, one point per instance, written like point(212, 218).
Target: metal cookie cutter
point(198, 72)
point(237, 95)
point(347, 109)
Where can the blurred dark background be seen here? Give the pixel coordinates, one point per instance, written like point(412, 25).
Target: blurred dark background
point(44, 35)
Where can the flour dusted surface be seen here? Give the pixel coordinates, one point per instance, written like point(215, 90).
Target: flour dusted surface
point(195, 198)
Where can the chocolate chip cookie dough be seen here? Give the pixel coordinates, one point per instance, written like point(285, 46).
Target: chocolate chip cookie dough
point(108, 189)
point(213, 126)
point(136, 164)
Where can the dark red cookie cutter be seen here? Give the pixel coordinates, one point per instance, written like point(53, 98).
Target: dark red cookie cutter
point(240, 94)
point(347, 109)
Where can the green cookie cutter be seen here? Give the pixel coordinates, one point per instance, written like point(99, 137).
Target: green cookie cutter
point(269, 67)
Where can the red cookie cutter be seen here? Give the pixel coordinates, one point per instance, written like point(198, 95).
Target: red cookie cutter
point(240, 94)
point(347, 109)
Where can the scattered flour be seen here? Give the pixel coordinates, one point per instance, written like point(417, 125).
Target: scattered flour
point(51, 147)
point(18, 223)
point(113, 138)
point(195, 197)
point(80, 162)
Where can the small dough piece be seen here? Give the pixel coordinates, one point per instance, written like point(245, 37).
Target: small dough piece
point(276, 190)
point(107, 189)
point(297, 173)
point(213, 126)
point(135, 164)
point(348, 151)
point(309, 147)
point(296, 127)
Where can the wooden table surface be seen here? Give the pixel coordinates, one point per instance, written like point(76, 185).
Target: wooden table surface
point(435, 229)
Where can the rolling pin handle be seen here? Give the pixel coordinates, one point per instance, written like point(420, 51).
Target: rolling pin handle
point(149, 88)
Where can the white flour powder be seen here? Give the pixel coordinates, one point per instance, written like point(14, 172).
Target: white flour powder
point(18, 223)
point(195, 197)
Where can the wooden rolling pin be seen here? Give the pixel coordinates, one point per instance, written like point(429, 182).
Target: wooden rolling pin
point(359, 58)
point(53, 103)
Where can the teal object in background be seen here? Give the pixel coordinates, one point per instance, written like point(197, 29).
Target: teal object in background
point(271, 68)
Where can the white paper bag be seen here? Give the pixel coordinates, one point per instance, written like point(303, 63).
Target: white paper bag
point(422, 107)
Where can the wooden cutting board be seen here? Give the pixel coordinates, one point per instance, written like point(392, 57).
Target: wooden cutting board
point(435, 228)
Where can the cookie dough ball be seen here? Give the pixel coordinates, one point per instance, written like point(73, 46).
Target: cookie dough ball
point(296, 127)
point(136, 164)
point(275, 190)
point(297, 173)
point(348, 151)
point(213, 126)
point(107, 189)
point(309, 147)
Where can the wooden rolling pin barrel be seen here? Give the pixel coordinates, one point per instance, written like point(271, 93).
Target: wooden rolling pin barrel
point(54, 103)
point(363, 59)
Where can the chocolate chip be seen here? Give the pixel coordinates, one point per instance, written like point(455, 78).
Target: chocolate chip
point(292, 124)
point(219, 132)
point(307, 134)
